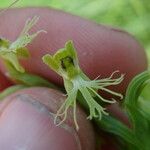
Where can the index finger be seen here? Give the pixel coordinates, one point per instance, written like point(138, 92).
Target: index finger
point(101, 49)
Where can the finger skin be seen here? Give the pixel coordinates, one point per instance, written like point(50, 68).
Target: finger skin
point(4, 82)
point(108, 143)
point(26, 122)
point(101, 49)
point(117, 112)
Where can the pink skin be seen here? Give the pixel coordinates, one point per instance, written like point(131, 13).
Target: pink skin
point(26, 116)
point(4, 82)
point(108, 143)
point(101, 50)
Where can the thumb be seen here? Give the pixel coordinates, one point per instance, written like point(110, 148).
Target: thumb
point(26, 123)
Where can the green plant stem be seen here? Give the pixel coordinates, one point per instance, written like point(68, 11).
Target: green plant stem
point(27, 79)
point(11, 90)
point(112, 125)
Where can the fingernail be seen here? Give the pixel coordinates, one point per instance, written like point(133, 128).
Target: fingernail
point(27, 124)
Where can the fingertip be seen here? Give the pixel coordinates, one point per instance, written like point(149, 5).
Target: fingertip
point(27, 124)
point(27, 121)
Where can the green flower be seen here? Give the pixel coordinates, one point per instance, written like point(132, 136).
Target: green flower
point(10, 52)
point(65, 63)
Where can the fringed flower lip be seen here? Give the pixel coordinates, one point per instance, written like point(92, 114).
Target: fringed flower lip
point(11, 52)
point(65, 63)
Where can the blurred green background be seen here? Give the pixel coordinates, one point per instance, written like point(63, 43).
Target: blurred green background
point(131, 15)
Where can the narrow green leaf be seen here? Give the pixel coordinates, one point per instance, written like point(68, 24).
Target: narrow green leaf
point(11, 90)
point(141, 125)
